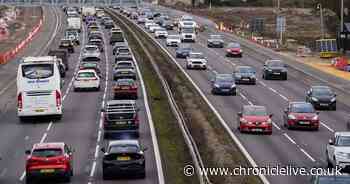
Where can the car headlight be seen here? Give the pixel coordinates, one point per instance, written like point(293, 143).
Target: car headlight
point(233, 86)
point(315, 117)
point(341, 154)
point(216, 85)
point(269, 70)
point(314, 99)
point(240, 50)
point(333, 99)
point(253, 76)
point(291, 116)
point(243, 120)
point(269, 121)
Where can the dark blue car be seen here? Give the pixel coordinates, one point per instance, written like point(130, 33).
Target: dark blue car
point(183, 51)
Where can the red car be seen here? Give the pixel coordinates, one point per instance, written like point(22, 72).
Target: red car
point(49, 160)
point(234, 50)
point(125, 88)
point(301, 115)
point(255, 119)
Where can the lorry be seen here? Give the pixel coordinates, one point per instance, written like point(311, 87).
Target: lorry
point(88, 11)
point(74, 23)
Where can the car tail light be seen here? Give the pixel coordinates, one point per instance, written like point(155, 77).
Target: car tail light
point(134, 87)
point(20, 101)
point(61, 160)
point(94, 78)
point(228, 50)
point(58, 98)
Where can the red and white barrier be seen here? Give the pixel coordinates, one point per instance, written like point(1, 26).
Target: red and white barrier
point(7, 56)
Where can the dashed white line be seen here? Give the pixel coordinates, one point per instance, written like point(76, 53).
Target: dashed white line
point(284, 98)
point(43, 138)
point(97, 151)
point(289, 138)
point(326, 126)
point(49, 127)
point(93, 169)
point(22, 176)
point(307, 154)
point(273, 90)
point(4, 171)
point(99, 135)
point(276, 126)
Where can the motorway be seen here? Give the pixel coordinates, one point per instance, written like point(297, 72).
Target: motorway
point(284, 147)
point(81, 125)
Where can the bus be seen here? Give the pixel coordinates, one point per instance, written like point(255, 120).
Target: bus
point(39, 88)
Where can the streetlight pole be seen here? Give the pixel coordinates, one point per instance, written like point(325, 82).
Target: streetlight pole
point(209, 4)
point(342, 16)
point(319, 6)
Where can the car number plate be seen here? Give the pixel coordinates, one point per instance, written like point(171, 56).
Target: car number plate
point(257, 130)
point(246, 79)
point(120, 122)
point(123, 158)
point(125, 72)
point(47, 170)
point(322, 104)
point(304, 122)
point(39, 110)
point(277, 73)
point(225, 90)
point(125, 87)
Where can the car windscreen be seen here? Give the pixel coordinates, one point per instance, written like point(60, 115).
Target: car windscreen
point(234, 45)
point(343, 141)
point(86, 74)
point(302, 108)
point(246, 70)
point(37, 71)
point(215, 37)
point(120, 116)
point(50, 152)
point(173, 37)
point(188, 30)
point(65, 42)
point(322, 92)
point(225, 79)
point(255, 111)
point(89, 65)
point(90, 49)
point(196, 56)
point(275, 64)
point(333, 180)
point(126, 148)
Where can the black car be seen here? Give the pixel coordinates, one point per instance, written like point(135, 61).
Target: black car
point(322, 97)
point(167, 24)
point(123, 158)
point(215, 41)
point(330, 179)
point(121, 119)
point(109, 24)
point(224, 84)
point(60, 54)
point(274, 69)
point(67, 44)
point(183, 51)
point(118, 45)
point(245, 75)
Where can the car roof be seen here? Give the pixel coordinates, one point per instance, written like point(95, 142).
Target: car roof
point(90, 46)
point(320, 87)
point(114, 102)
point(342, 133)
point(239, 67)
point(86, 70)
point(48, 145)
point(196, 53)
point(123, 142)
point(254, 107)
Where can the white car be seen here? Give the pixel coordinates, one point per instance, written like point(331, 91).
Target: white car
point(153, 28)
point(86, 79)
point(91, 51)
point(173, 40)
point(196, 60)
point(338, 150)
point(148, 23)
point(161, 33)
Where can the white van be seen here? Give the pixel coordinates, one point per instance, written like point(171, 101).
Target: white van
point(188, 34)
point(74, 23)
point(39, 87)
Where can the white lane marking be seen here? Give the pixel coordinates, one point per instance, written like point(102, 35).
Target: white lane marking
point(284, 98)
point(289, 138)
point(262, 83)
point(99, 135)
point(97, 151)
point(273, 90)
point(93, 169)
point(49, 127)
point(276, 126)
point(327, 127)
point(43, 138)
point(22, 176)
point(307, 154)
point(101, 122)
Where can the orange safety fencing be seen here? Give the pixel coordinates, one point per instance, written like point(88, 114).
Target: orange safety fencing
point(8, 55)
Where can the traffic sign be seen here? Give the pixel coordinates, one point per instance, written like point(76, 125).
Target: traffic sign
point(281, 24)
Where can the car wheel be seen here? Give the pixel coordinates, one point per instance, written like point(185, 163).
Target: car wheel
point(22, 119)
point(58, 117)
point(334, 107)
point(28, 180)
point(267, 77)
point(98, 88)
point(67, 178)
point(285, 77)
point(143, 175)
point(75, 89)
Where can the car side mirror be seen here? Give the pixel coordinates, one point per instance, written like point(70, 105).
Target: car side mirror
point(285, 65)
point(335, 94)
point(330, 142)
point(144, 149)
point(270, 115)
point(103, 110)
point(240, 114)
point(265, 65)
point(27, 152)
point(103, 150)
